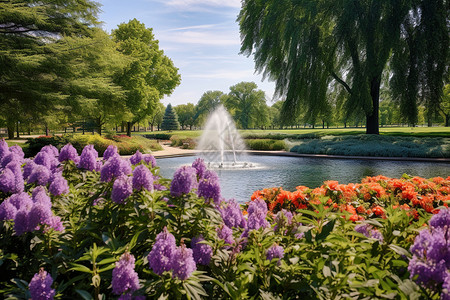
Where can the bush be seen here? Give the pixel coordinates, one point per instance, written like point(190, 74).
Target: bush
point(265, 144)
point(158, 136)
point(183, 142)
point(35, 144)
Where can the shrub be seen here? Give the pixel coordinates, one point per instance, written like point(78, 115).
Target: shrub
point(265, 144)
point(183, 142)
point(35, 144)
point(158, 136)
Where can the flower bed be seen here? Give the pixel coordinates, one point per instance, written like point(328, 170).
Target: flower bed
point(73, 226)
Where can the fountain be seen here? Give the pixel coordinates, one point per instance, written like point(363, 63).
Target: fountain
point(220, 145)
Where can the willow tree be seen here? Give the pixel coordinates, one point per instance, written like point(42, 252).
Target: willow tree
point(149, 75)
point(28, 82)
point(308, 46)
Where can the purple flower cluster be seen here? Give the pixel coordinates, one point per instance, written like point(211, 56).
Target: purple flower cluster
point(183, 263)
point(199, 166)
point(257, 212)
point(166, 256)
point(110, 152)
point(88, 159)
point(283, 219)
point(68, 152)
point(11, 159)
point(232, 214)
point(46, 159)
point(209, 187)
point(226, 234)
point(142, 178)
point(430, 264)
point(58, 185)
point(147, 158)
point(41, 286)
point(369, 231)
point(160, 257)
point(114, 167)
point(184, 180)
point(125, 280)
point(275, 251)
point(4, 149)
point(202, 252)
point(122, 189)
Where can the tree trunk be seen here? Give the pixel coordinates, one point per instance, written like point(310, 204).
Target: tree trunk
point(372, 120)
point(84, 125)
point(10, 126)
point(129, 124)
point(99, 125)
point(447, 120)
point(18, 133)
point(323, 124)
point(46, 130)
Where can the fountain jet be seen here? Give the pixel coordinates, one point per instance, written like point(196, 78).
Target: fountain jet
point(220, 145)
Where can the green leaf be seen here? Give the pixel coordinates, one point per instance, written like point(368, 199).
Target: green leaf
point(326, 271)
point(80, 268)
point(85, 295)
point(326, 230)
point(107, 261)
point(400, 250)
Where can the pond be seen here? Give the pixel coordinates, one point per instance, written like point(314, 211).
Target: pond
point(289, 172)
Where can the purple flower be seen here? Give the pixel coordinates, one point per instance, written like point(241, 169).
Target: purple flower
point(122, 189)
point(45, 158)
point(202, 252)
point(11, 157)
point(21, 201)
point(56, 223)
point(18, 185)
point(28, 168)
point(428, 273)
point(17, 150)
point(275, 252)
point(184, 180)
point(41, 286)
point(39, 175)
point(441, 219)
point(58, 185)
point(445, 295)
point(150, 159)
point(39, 214)
point(39, 195)
point(183, 263)
point(110, 152)
point(88, 158)
point(368, 231)
point(7, 181)
point(283, 219)
point(50, 149)
point(4, 149)
point(7, 211)
point(142, 178)
point(21, 222)
point(209, 187)
point(200, 167)
point(114, 167)
point(160, 257)
point(68, 152)
point(226, 234)
point(124, 278)
point(136, 158)
point(257, 211)
point(232, 214)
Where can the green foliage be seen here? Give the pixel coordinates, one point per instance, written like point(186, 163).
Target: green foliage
point(170, 119)
point(315, 49)
point(383, 146)
point(186, 115)
point(265, 144)
point(183, 142)
point(149, 75)
point(209, 101)
point(159, 136)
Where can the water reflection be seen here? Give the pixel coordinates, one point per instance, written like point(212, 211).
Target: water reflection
point(289, 172)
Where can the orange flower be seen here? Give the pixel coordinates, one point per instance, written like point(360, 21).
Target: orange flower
point(378, 210)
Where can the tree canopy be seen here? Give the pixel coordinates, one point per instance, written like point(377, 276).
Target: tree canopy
point(170, 119)
point(149, 76)
point(307, 47)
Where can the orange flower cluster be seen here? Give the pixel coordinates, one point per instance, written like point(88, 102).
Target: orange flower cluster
point(366, 199)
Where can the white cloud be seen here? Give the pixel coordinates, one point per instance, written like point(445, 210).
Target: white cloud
point(206, 26)
point(225, 74)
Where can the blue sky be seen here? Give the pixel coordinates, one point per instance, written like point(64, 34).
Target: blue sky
point(200, 36)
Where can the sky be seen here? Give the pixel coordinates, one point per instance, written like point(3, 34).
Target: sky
point(200, 36)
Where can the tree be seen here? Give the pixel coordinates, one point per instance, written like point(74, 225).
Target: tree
point(445, 105)
point(209, 101)
point(308, 46)
point(31, 32)
point(246, 104)
point(170, 119)
point(157, 116)
point(149, 76)
point(186, 115)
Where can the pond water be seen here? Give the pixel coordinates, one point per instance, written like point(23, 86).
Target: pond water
point(289, 172)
